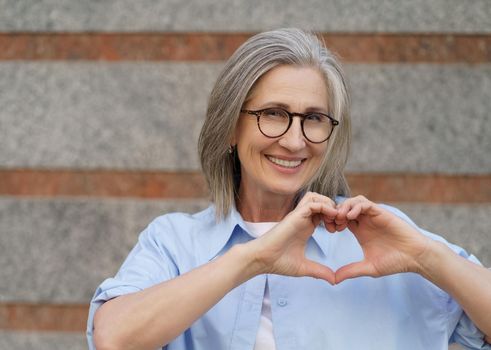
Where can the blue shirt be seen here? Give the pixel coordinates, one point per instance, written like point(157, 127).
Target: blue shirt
point(401, 311)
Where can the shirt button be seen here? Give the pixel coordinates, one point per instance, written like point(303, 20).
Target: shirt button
point(282, 301)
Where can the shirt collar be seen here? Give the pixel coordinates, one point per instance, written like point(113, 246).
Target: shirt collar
point(321, 237)
point(233, 224)
point(223, 230)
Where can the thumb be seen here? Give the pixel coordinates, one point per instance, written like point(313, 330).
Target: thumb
point(356, 269)
point(319, 271)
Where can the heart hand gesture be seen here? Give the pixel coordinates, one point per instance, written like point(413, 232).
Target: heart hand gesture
point(390, 245)
point(282, 250)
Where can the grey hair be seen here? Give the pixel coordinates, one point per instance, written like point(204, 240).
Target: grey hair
point(253, 59)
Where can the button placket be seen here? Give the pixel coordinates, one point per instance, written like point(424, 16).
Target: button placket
point(283, 312)
point(244, 333)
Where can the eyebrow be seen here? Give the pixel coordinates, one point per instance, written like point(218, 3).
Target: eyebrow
point(288, 108)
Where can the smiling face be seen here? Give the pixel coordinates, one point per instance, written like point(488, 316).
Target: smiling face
point(280, 166)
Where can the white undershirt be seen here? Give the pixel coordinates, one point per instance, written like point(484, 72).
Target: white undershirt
point(265, 337)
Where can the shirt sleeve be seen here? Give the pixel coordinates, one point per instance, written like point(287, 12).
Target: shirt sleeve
point(462, 329)
point(149, 262)
point(466, 333)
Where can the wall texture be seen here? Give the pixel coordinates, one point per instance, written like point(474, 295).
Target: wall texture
point(101, 104)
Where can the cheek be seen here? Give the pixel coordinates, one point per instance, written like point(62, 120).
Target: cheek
point(250, 153)
point(318, 150)
point(318, 156)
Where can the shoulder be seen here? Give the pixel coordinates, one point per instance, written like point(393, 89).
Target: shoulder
point(182, 237)
point(178, 219)
point(180, 224)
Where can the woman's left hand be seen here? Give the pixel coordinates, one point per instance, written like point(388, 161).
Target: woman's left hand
point(390, 245)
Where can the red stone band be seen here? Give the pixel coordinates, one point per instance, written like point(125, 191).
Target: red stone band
point(384, 187)
point(351, 47)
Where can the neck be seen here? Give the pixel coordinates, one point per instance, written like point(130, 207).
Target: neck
point(262, 207)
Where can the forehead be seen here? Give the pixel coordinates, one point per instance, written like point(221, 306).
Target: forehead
point(293, 86)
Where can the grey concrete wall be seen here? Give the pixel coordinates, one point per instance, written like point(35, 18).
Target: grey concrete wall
point(56, 341)
point(135, 115)
point(236, 15)
point(60, 250)
point(42, 341)
point(52, 245)
point(424, 118)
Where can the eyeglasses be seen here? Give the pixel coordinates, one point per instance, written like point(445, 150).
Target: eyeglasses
point(275, 122)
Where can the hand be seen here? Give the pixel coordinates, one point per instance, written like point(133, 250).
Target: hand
point(282, 250)
point(390, 245)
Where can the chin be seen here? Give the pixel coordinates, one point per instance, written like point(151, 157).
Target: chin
point(286, 190)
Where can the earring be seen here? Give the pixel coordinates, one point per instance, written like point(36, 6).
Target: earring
point(231, 149)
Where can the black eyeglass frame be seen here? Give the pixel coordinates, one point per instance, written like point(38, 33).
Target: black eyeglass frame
point(258, 113)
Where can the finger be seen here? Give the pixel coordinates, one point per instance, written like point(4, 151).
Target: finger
point(319, 212)
point(330, 225)
point(356, 269)
point(354, 211)
point(350, 202)
point(319, 271)
point(323, 199)
point(307, 198)
point(343, 209)
point(316, 219)
point(330, 217)
point(331, 203)
point(348, 206)
point(321, 208)
point(304, 199)
point(360, 208)
point(316, 197)
point(342, 226)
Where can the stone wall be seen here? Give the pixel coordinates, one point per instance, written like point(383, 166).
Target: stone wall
point(101, 104)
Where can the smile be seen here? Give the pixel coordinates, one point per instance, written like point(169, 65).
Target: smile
point(285, 163)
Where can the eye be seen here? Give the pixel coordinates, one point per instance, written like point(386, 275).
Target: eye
point(275, 113)
point(315, 118)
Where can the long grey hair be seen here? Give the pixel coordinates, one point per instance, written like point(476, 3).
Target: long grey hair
point(252, 60)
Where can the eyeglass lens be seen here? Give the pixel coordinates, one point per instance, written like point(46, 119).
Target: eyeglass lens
point(275, 122)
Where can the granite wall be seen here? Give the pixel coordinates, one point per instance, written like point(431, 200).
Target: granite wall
point(120, 87)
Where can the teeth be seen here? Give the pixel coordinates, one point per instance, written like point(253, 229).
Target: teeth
point(285, 163)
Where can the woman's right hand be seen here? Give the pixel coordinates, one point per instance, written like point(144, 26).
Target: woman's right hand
point(282, 249)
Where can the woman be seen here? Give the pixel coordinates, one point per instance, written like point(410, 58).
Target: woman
point(239, 274)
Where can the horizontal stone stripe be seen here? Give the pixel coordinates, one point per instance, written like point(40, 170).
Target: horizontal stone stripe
point(123, 46)
point(147, 116)
point(432, 188)
point(43, 317)
point(256, 15)
point(100, 183)
point(57, 251)
point(54, 341)
point(354, 47)
point(24, 340)
point(422, 188)
point(48, 341)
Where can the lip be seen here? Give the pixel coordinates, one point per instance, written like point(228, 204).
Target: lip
point(284, 169)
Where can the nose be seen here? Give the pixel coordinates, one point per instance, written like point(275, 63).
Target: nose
point(293, 139)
